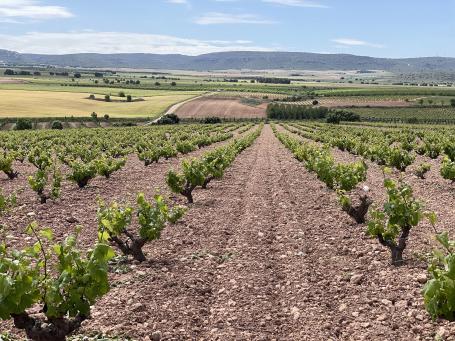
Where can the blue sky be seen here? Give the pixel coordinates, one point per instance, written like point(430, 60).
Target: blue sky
point(385, 28)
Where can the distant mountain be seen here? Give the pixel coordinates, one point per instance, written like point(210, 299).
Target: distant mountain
point(233, 60)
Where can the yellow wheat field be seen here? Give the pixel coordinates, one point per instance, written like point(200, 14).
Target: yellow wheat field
point(23, 103)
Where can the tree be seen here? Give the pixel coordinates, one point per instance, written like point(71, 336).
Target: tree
point(107, 98)
point(452, 102)
point(77, 75)
point(106, 117)
point(129, 98)
point(9, 72)
point(94, 116)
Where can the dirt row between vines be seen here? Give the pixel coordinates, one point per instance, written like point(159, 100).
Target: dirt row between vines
point(264, 254)
point(402, 286)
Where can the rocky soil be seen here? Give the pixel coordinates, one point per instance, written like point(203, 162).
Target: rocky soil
point(264, 254)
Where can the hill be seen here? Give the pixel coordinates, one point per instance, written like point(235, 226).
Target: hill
point(233, 60)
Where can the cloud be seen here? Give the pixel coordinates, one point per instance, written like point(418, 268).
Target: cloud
point(30, 9)
point(296, 3)
point(349, 42)
point(216, 18)
point(118, 42)
point(178, 2)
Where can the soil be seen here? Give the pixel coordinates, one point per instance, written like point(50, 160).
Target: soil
point(346, 103)
point(226, 108)
point(12, 81)
point(266, 253)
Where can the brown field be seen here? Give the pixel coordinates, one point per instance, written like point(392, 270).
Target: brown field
point(228, 108)
point(11, 81)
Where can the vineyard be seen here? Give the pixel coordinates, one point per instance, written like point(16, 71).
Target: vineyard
point(361, 101)
point(293, 229)
point(439, 115)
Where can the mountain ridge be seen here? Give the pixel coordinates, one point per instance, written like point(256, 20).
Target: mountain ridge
point(232, 60)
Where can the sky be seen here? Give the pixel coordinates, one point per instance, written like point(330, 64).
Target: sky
point(379, 28)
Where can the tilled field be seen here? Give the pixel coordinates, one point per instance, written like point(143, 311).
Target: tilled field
point(264, 254)
point(220, 107)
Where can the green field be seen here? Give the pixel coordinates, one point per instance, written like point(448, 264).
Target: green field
point(44, 95)
point(425, 114)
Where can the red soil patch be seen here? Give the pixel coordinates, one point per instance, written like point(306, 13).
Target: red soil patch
point(229, 108)
point(11, 81)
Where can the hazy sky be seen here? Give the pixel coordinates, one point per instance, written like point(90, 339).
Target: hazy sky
point(384, 28)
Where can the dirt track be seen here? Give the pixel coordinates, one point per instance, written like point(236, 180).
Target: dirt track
point(264, 254)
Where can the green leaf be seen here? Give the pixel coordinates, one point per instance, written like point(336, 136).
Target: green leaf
point(47, 233)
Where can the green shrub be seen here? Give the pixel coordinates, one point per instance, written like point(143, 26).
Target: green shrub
point(422, 169)
point(56, 277)
point(57, 125)
point(169, 119)
point(401, 212)
point(211, 120)
point(439, 291)
point(337, 116)
point(23, 124)
point(114, 220)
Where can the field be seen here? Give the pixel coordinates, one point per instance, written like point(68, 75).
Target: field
point(22, 103)
point(293, 230)
point(220, 107)
point(360, 101)
point(266, 250)
point(65, 96)
point(426, 114)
